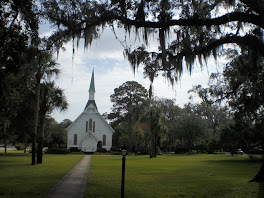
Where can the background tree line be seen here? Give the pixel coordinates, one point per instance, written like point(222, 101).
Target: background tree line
point(143, 124)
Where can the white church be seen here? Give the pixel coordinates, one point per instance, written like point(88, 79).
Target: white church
point(90, 131)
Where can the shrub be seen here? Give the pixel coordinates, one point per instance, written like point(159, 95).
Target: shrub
point(97, 153)
point(115, 153)
point(181, 150)
point(19, 146)
point(114, 149)
point(143, 151)
point(58, 151)
point(256, 158)
point(102, 150)
point(255, 151)
point(74, 149)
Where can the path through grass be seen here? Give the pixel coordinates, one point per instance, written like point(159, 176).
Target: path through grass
point(204, 176)
point(19, 179)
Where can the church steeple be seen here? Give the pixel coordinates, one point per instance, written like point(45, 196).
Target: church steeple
point(91, 93)
point(92, 89)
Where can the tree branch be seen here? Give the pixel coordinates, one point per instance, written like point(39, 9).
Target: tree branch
point(110, 16)
point(246, 41)
point(256, 5)
point(235, 16)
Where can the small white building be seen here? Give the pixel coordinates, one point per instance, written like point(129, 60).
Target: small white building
point(90, 131)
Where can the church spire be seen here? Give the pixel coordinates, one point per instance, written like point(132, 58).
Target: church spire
point(92, 89)
point(91, 93)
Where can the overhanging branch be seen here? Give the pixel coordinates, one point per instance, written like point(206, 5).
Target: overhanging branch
point(247, 41)
point(235, 16)
point(111, 16)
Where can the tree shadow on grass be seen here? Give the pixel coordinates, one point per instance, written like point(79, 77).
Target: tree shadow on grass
point(15, 154)
point(12, 164)
point(261, 190)
point(232, 161)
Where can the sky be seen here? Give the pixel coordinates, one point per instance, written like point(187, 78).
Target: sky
point(111, 70)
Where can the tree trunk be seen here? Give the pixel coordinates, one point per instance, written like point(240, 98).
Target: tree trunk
point(25, 149)
point(41, 137)
point(135, 150)
point(151, 146)
point(5, 145)
point(260, 175)
point(35, 121)
point(155, 144)
point(5, 135)
point(261, 190)
point(153, 137)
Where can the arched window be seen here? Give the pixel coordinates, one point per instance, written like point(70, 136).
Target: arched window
point(75, 139)
point(90, 124)
point(104, 140)
point(93, 126)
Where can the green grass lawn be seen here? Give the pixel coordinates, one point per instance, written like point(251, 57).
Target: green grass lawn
point(174, 176)
point(20, 179)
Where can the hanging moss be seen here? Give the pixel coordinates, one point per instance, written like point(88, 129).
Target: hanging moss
point(197, 28)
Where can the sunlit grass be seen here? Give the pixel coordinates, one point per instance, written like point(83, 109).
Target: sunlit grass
point(20, 179)
point(174, 176)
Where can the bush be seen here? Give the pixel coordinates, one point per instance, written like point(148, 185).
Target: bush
point(58, 151)
point(114, 149)
point(102, 150)
point(19, 146)
point(255, 151)
point(116, 153)
point(181, 150)
point(143, 151)
point(74, 149)
point(256, 158)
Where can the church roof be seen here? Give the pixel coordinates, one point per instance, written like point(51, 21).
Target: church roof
point(92, 88)
point(91, 102)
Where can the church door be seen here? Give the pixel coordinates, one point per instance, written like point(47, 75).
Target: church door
point(99, 145)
